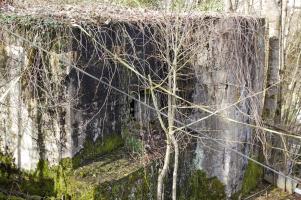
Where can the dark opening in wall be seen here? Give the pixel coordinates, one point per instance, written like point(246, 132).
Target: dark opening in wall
point(136, 106)
point(132, 108)
point(75, 133)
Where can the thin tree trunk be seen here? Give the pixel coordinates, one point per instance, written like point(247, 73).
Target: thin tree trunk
point(228, 7)
point(167, 4)
point(176, 166)
point(247, 7)
point(164, 170)
point(169, 130)
point(189, 4)
point(171, 117)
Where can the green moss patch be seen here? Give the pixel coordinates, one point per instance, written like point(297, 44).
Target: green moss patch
point(39, 183)
point(113, 176)
point(95, 149)
point(132, 142)
point(200, 187)
point(137, 185)
point(9, 197)
point(252, 177)
point(113, 166)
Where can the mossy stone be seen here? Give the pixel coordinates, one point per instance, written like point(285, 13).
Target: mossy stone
point(99, 147)
point(203, 188)
point(253, 175)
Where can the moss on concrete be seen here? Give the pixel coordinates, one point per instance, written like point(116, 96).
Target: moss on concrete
point(252, 176)
point(95, 149)
point(132, 141)
point(9, 197)
point(39, 182)
point(137, 185)
point(200, 187)
point(113, 176)
point(8, 170)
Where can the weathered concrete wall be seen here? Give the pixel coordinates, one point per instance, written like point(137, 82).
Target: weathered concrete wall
point(83, 117)
point(17, 128)
point(226, 84)
point(91, 118)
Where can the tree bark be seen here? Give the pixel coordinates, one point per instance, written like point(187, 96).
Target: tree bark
point(247, 7)
point(164, 170)
point(176, 166)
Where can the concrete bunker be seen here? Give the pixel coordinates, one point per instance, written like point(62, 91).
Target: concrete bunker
point(56, 113)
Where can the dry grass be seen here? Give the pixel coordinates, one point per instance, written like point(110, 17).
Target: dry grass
point(101, 11)
point(277, 194)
